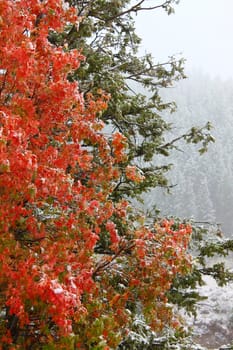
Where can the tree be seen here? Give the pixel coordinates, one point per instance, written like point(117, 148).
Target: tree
point(106, 35)
point(58, 172)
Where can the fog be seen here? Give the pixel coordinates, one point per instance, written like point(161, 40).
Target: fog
point(200, 30)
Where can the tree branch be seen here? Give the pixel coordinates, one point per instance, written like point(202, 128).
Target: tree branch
point(107, 263)
point(135, 8)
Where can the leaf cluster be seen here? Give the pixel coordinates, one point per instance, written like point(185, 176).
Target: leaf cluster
point(107, 37)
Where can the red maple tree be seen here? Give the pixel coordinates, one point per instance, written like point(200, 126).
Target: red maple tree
point(57, 172)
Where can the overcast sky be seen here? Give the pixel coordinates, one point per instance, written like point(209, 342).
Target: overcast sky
point(201, 30)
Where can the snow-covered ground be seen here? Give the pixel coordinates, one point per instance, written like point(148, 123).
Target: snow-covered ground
point(213, 325)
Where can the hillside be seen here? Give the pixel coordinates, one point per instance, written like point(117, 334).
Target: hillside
point(201, 186)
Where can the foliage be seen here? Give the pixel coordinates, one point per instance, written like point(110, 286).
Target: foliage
point(208, 248)
point(58, 171)
point(206, 245)
point(107, 37)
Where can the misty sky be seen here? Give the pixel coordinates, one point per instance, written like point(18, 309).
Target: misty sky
point(201, 30)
